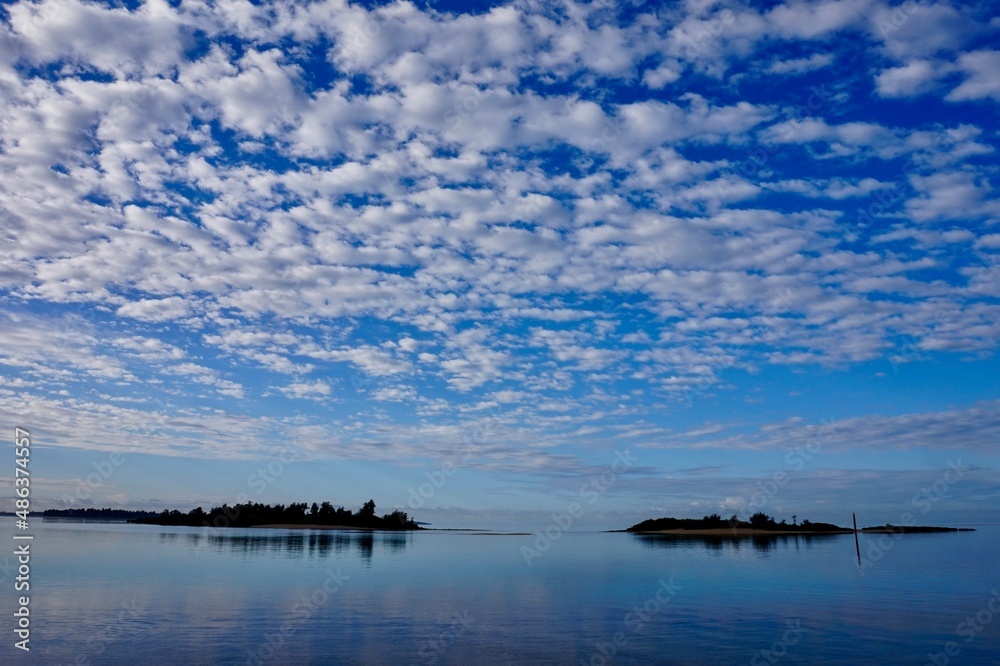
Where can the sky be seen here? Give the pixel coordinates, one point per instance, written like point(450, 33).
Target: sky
point(483, 261)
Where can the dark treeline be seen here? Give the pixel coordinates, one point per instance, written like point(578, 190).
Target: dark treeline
point(914, 529)
point(758, 521)
point(97, 514)
point(251, 514)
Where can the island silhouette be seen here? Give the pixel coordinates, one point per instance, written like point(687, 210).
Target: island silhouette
point(325, 516)
point(295, 515)
point(103, 515)
point(762, 524)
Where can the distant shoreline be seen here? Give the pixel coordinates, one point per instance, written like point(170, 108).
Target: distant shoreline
point(466, 532)
point(751, 532)
point(912, 529)
point(301, 526)
point(738, 531)
point(300, 514)
point(760, 524)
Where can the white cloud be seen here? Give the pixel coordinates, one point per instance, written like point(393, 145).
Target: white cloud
point(950, 195)
point(914, 78)
point(982, 70)
point(832, 189)
point(970, 429)
point(554, 212)
point(810, 20)
point(801, 65)
point(844, 140)
point(661, 76)
point(306, 389)
point(990, 241)
point(149, 40)
point(150, 348)
point(922, 30)
point(371, 360)
point(394, 394)
point(156, 309)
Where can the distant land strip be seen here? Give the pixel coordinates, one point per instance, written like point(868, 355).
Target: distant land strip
point(761, 524)
point(300, 515)
point(98, 514)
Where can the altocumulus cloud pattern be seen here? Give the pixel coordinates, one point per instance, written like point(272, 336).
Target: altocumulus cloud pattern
point(375, 228)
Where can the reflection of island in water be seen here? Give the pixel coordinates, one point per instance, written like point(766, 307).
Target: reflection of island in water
point(761, 529)
point(298, 543)
point(761, 543)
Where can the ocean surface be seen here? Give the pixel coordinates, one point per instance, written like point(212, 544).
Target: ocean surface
point(106, 593)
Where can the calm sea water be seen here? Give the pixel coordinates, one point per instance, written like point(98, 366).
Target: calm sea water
point(128, 594)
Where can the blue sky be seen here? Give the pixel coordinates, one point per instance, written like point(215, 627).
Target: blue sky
point(460, 258)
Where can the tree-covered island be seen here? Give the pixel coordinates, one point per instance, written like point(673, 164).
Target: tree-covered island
point(758, 522)
point(95, 514)
point(255, 514)
point(763, 524)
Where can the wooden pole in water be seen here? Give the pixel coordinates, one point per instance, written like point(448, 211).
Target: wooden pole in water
point(857, 545)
